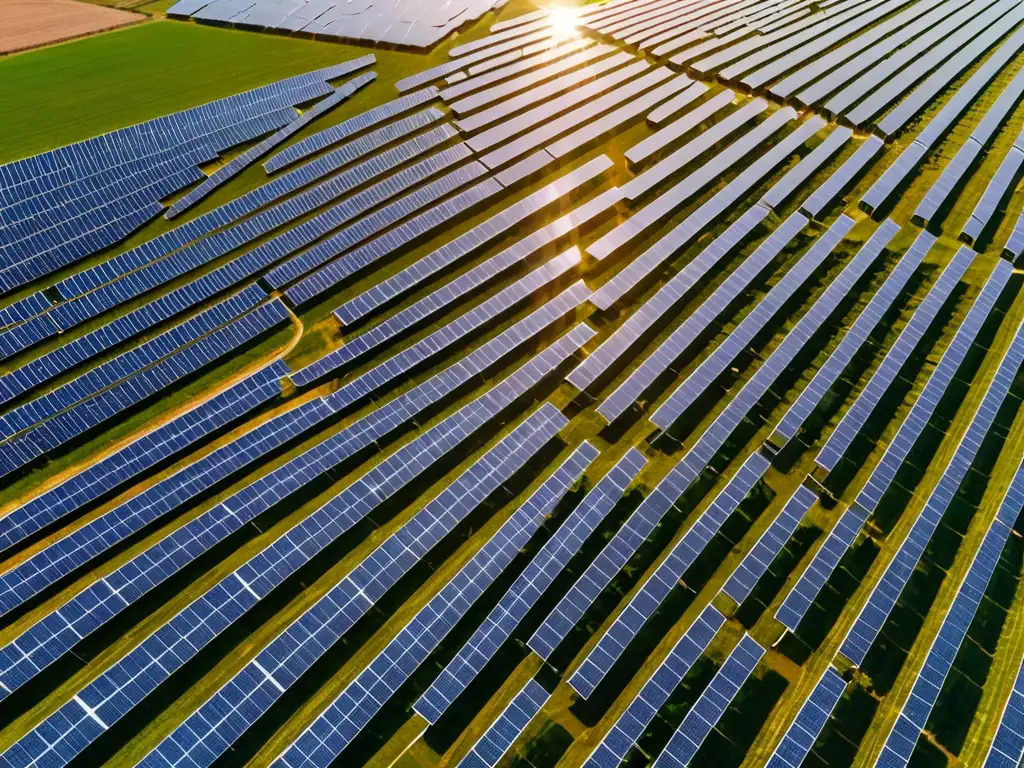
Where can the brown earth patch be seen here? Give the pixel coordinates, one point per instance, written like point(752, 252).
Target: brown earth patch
point(28, 24)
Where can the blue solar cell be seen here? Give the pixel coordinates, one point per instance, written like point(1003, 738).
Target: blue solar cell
point(528, 587)
point(498, 738)
point(660, 583)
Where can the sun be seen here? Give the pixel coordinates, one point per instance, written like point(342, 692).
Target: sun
point(563, 20)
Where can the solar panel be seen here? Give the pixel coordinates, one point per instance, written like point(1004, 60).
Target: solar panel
point(983, 27)
point(795, 178)
point(237, 164)
point(335, 728)
point(698, 323)
point(1008, 746)
point(509, 105)
point(632, 723)
point(98, 603)
point(1000, 185)
point(804, 730)
point(376, 222)
point(709, 708)
point(350, 127)
point(859, 331)
point(913, 717)
point(757, 561)
point(452, 252)
point(926, 92)
point(695, 223)
point(955, 170)
point(856, 417)
point(894, 175)
point(498, 738)
point(752, 324)
point(458, 331)
point(659, 584)
point(82, 417)
point(889, 588)
point(528, 587)
point(834, 185)
point(252, 690)
point(810, 71)
point(877, 56)
point(141, 454)
point(924, 406)
point(530, 79)
point(677, 103)
point(679, 128)
point(609, 561)
point(597, 364)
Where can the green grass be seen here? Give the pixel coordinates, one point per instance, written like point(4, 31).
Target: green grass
point(66, 93)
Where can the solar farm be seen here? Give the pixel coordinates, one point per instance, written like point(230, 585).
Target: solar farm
point(491, 384)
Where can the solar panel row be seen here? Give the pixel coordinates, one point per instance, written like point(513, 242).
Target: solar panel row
point(142, 454)
point(910, 337)
point(126, 364)
point(632, 723)
point(233, 210)
point(709, 708)
point(457, 249)
point(740, 338)
point(238, 164)
point(889, 588)
point(376, 222)
point(328, 277)
point(796, 177)
point(677, 103)
point(68, 425)
point(249, 693)
point(675, 130)
point(696, 326)
point(913, 717)
point(1001, 184)
point(804, 730)
point(830, 189)
point(859, 331)
point(492, 746)
point(600, 572)
point(77, 310)
point(458, 331)
point(657, 587)
point(721, 203)
point(883, 57)
point(318, 142)
point(782, 357)
point(348, 714)
point(528, 587)
point(120, 688)
point(757, 561)
point(1007, 748)
point(447, 296)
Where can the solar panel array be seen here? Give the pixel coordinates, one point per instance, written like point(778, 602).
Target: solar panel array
point(709, 708)
point(500, 735)
point(336, 727)
point(656, 691)
point(579, 195)
point(883, 597)
point(528, 587)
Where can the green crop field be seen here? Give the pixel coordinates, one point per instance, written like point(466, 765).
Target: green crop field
point(73, 91)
